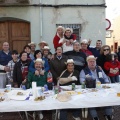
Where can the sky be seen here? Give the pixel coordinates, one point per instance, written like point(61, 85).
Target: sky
point(113, 9)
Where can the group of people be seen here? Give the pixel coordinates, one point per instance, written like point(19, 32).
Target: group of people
point(71, 63)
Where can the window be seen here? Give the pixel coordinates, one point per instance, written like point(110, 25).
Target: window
point(75, 27)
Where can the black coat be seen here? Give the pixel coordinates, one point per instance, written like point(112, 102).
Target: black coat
point(17, 72)
point(79, 59)
point(101, 61)
point(57, 66)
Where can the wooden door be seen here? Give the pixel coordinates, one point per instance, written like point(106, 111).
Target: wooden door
point(18, 34)
point(3, 33)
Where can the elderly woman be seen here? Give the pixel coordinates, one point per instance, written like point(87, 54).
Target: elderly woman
point(105, 50)
point(41, 79)
point(69, 76)
point(20, 71)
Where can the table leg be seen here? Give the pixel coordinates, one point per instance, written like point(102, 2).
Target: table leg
point(26, 115)
point(86, 112)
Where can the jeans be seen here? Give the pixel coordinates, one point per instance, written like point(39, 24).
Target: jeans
point(93, 112)
point(63, 113)
point(114, 79)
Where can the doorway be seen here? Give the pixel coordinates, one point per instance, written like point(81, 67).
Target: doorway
point(16, 33)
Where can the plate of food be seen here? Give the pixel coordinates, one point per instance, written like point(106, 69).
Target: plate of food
point(18, 94)
point(106, 87)
point(63, 97)
point(71, 92)
point(2, 94)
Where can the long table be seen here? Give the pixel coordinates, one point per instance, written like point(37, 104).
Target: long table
point(103, 97)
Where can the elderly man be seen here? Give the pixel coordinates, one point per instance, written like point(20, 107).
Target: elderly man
point(78, 56)
point(57, 65)
point(41, 79)
point(42, 44)
point(67, 77)
point(95, 72)
point(5, 57)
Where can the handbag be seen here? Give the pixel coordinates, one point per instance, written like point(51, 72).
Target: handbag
point(90, 82)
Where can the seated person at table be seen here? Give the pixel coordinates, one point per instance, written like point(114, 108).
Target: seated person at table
point(95, 72)
point(67, 77)
point(40, 79)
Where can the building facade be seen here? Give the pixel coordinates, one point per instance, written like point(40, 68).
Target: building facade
point(113, 36)
point(22, 21)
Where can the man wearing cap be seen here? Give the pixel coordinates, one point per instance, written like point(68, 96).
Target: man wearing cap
point(42, 44)
point(41, 79)
point(84, 45)
point(93, 71)
point(67, 77)
point(78, 56)
point(33, 46)
point(5, 57)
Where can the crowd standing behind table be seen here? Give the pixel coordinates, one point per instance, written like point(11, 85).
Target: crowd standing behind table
point(79, 61)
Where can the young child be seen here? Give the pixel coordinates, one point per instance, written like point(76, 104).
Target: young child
point(112, 65)
point(11, 66)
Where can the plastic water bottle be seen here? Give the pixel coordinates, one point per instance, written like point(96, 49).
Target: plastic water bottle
point(50, 80)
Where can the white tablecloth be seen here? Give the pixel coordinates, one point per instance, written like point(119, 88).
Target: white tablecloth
point(104, 97)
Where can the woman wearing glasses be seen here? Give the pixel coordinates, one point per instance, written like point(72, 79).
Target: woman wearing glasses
point(105, 50)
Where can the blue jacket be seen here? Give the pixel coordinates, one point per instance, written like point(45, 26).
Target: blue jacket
point(87, 71)
point(95, 52)
point(46, 66)
point(5, 58)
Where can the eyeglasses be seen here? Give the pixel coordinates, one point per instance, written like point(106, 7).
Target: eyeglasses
point(106, 49)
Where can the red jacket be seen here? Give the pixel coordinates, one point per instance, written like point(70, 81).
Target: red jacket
point(109, 65)
point(87, 52)
point(57, 39)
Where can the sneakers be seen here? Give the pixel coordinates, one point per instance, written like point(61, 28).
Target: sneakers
point(108, 117)
point(76, 118)
point(95, 118)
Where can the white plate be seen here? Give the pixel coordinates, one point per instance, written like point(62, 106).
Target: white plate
point(13, 95)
